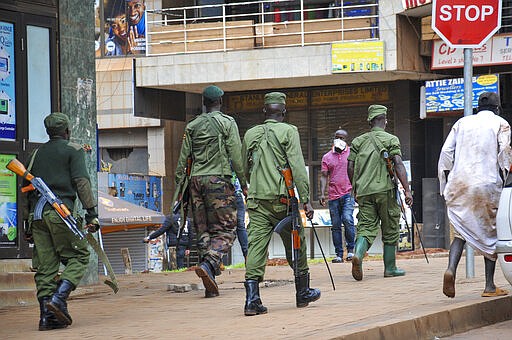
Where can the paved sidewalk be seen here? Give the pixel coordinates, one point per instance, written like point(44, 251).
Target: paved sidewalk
point(409, 307)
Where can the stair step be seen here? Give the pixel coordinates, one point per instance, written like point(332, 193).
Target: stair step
point(17, 280)
point(18, 297)
point(15, 265)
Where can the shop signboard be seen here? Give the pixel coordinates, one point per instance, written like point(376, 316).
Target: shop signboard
point(358, 56)
point(144, 191)
point(447, 95)
point(7, 83)
point(8, 209)
point(496, 51)
point(408, 4)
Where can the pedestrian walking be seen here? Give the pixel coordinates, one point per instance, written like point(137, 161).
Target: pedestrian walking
point(61, 165)
point(375, 192)
point(474, 161)
point(341, 202)
point(266, 148)
point(213, 143)
point(180, 248)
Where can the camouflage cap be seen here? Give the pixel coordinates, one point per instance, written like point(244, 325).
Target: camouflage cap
point(212, 92)
point(275, 98)
point(56, 123)
point(375, 111)
point(488, 99)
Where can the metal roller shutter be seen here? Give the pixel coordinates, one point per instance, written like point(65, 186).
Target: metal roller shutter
point(131, 239)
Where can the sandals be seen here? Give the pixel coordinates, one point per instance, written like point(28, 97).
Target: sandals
point(497, 292)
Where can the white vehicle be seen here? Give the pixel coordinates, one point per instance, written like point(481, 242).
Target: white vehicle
point(504, 229)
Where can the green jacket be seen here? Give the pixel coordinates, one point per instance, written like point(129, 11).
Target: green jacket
point(260, 165)
point(61, 165)
point(370, 172)
point(213, 141)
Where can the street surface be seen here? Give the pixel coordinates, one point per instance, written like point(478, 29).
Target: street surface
point(144, 309)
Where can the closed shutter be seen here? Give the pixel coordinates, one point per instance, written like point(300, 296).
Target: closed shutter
point(131, 239)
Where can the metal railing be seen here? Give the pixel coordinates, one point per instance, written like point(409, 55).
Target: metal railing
point(259, 24)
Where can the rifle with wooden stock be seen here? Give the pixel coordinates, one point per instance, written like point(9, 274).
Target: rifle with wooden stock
point(392, 173)
point(294, 218)
point(47, 196)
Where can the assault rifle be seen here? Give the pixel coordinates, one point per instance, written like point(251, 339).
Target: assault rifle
point(47, 196)
point(295, 220)
point(394, 179)
point(182, 198)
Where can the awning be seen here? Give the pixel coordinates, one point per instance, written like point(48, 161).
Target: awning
point(117, 215)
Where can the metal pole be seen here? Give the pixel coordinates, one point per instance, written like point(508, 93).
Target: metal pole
point(468, 110)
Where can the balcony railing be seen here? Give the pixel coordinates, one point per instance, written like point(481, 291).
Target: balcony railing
point(259, 24)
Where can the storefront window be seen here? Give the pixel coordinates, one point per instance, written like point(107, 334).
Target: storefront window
point(317, 113)
point(39, 81)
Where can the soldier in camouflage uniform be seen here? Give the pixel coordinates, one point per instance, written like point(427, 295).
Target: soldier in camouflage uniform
point(61, 165)
point(213, 142)
point(265, 147)
point(375, 192)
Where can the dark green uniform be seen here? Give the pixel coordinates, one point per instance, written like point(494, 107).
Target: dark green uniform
point(213, 141)
point(267, 188)
point(61, 165)
point(374, 189)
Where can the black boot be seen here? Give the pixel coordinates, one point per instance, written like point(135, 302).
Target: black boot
point(47, 319)
point(253, 304)
point(206, 272)
point(58, 304)
point(304, 294)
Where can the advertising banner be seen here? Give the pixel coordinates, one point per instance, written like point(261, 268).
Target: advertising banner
point(144, 191)
point(8, 210)
point(124, 27)
point(7, 83)
point(496, 51)
point(360, 56)
point(448, 94)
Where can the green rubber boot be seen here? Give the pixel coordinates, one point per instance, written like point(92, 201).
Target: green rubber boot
point(362, 246)
point(390, 269)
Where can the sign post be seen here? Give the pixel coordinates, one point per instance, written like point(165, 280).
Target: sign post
point(466, 24)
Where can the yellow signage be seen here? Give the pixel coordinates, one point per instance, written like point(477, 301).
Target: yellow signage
point(358, 56)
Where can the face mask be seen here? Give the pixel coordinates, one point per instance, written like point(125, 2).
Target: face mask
point(340, 144)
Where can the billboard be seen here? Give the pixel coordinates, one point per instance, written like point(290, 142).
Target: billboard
point(120, 27)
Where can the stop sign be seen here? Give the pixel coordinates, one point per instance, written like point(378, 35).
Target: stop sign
point(466, 23)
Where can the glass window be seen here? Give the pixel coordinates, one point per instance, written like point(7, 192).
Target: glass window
point(39, 81)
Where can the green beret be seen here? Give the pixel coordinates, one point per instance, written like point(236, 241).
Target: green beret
point(275, 98)
point(56, 123)
point(376, 110)
point(212, 92)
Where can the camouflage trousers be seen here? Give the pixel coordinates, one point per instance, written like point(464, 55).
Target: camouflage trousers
point(214, 210)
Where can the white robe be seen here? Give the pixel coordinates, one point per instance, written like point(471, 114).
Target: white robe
point(474, 152)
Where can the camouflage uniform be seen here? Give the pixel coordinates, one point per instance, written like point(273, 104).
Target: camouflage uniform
point(213, 141)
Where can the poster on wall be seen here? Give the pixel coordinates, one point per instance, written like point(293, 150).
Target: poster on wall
point(8, 212)
point(359, 56)
point(7, 83)
point(124, 27)
point(144, 191)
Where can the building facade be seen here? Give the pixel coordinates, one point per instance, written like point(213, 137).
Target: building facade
point(332, 58)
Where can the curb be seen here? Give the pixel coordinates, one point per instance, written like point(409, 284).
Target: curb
point(441, 324)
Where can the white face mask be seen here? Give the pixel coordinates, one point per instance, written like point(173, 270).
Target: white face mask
point(339, 144)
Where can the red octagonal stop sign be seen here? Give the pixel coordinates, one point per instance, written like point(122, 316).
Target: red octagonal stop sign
point(464, 23)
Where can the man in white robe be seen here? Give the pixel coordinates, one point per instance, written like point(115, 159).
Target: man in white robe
point(473, 163)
